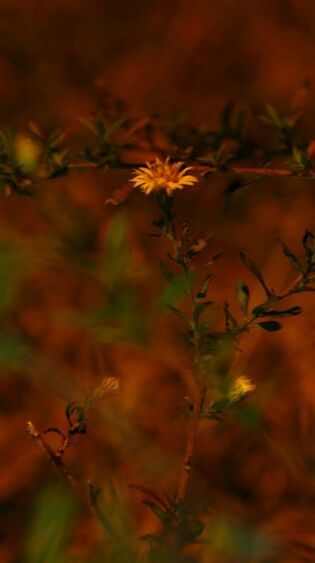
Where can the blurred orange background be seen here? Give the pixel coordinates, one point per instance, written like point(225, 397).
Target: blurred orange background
point(69, 58)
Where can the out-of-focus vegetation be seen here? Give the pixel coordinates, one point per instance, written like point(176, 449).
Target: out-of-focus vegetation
point(90, 348)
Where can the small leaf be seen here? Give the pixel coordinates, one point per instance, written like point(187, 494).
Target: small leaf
point(291, 257)
point(34, 128)
point(219, 405)
point(177, 312)
point(161, 514)
point(259, 310)
point(75, 414)
point(253, 268)
point(214, 259)
point(292, 311)
point(308, 241)
point(270, 326)
point(203, 289)
point(87, 124)
point(137, 126)
point(272, 112)
point(151, 493)
point(242, 296)
point(191, 530)
point(297, 155)
point(197, 247)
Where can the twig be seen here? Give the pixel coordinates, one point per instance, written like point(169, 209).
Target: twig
point(185, 473)
point(249, 171)
point(55, 458)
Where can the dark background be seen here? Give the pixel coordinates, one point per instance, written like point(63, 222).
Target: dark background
point(67, 58)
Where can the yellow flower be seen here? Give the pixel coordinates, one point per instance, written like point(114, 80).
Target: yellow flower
point(109, 385)
point(241, 387)
point(27, 153)
point(162, 175)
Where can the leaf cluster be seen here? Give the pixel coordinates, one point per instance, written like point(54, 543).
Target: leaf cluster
point(34, 156)
point(179, 526)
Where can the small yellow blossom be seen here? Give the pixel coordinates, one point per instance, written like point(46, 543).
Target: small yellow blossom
point(27, 153)
point(163, 175)
point(109, 386)
point(241, 387)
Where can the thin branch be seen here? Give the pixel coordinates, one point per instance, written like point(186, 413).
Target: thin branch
point(55, 458)
point(185, 473)
point(252, 170)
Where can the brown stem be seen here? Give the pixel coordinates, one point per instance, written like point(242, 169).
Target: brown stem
point(185, 473)
point(249, 170)
point(55, 458)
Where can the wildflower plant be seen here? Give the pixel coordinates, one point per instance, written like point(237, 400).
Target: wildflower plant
point(187, 155)
point(204, 342)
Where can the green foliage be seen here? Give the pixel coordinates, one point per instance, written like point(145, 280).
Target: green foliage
point(300, 162)
point(236, 541)
point(180, 527)
point(14, 352)
point(16, 262)
point(117, 317)
point(254, 270)
point(50, 526)
point(119, 314)
point(284, 125)
point(176, 288)
point(12, 256)
point(113, 514)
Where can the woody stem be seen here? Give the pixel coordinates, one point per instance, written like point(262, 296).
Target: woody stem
point(185, 473)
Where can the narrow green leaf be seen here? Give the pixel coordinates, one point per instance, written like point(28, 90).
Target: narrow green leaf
point(242, 296)
point(203, 289)
point(219, 405)
point(297, 155)
point(161, 514)
point(87, 124)
point(272, 112)
point(308, 241)
point(177, 312)
point(50, 527)
point(291, 257)
point(257, 273)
